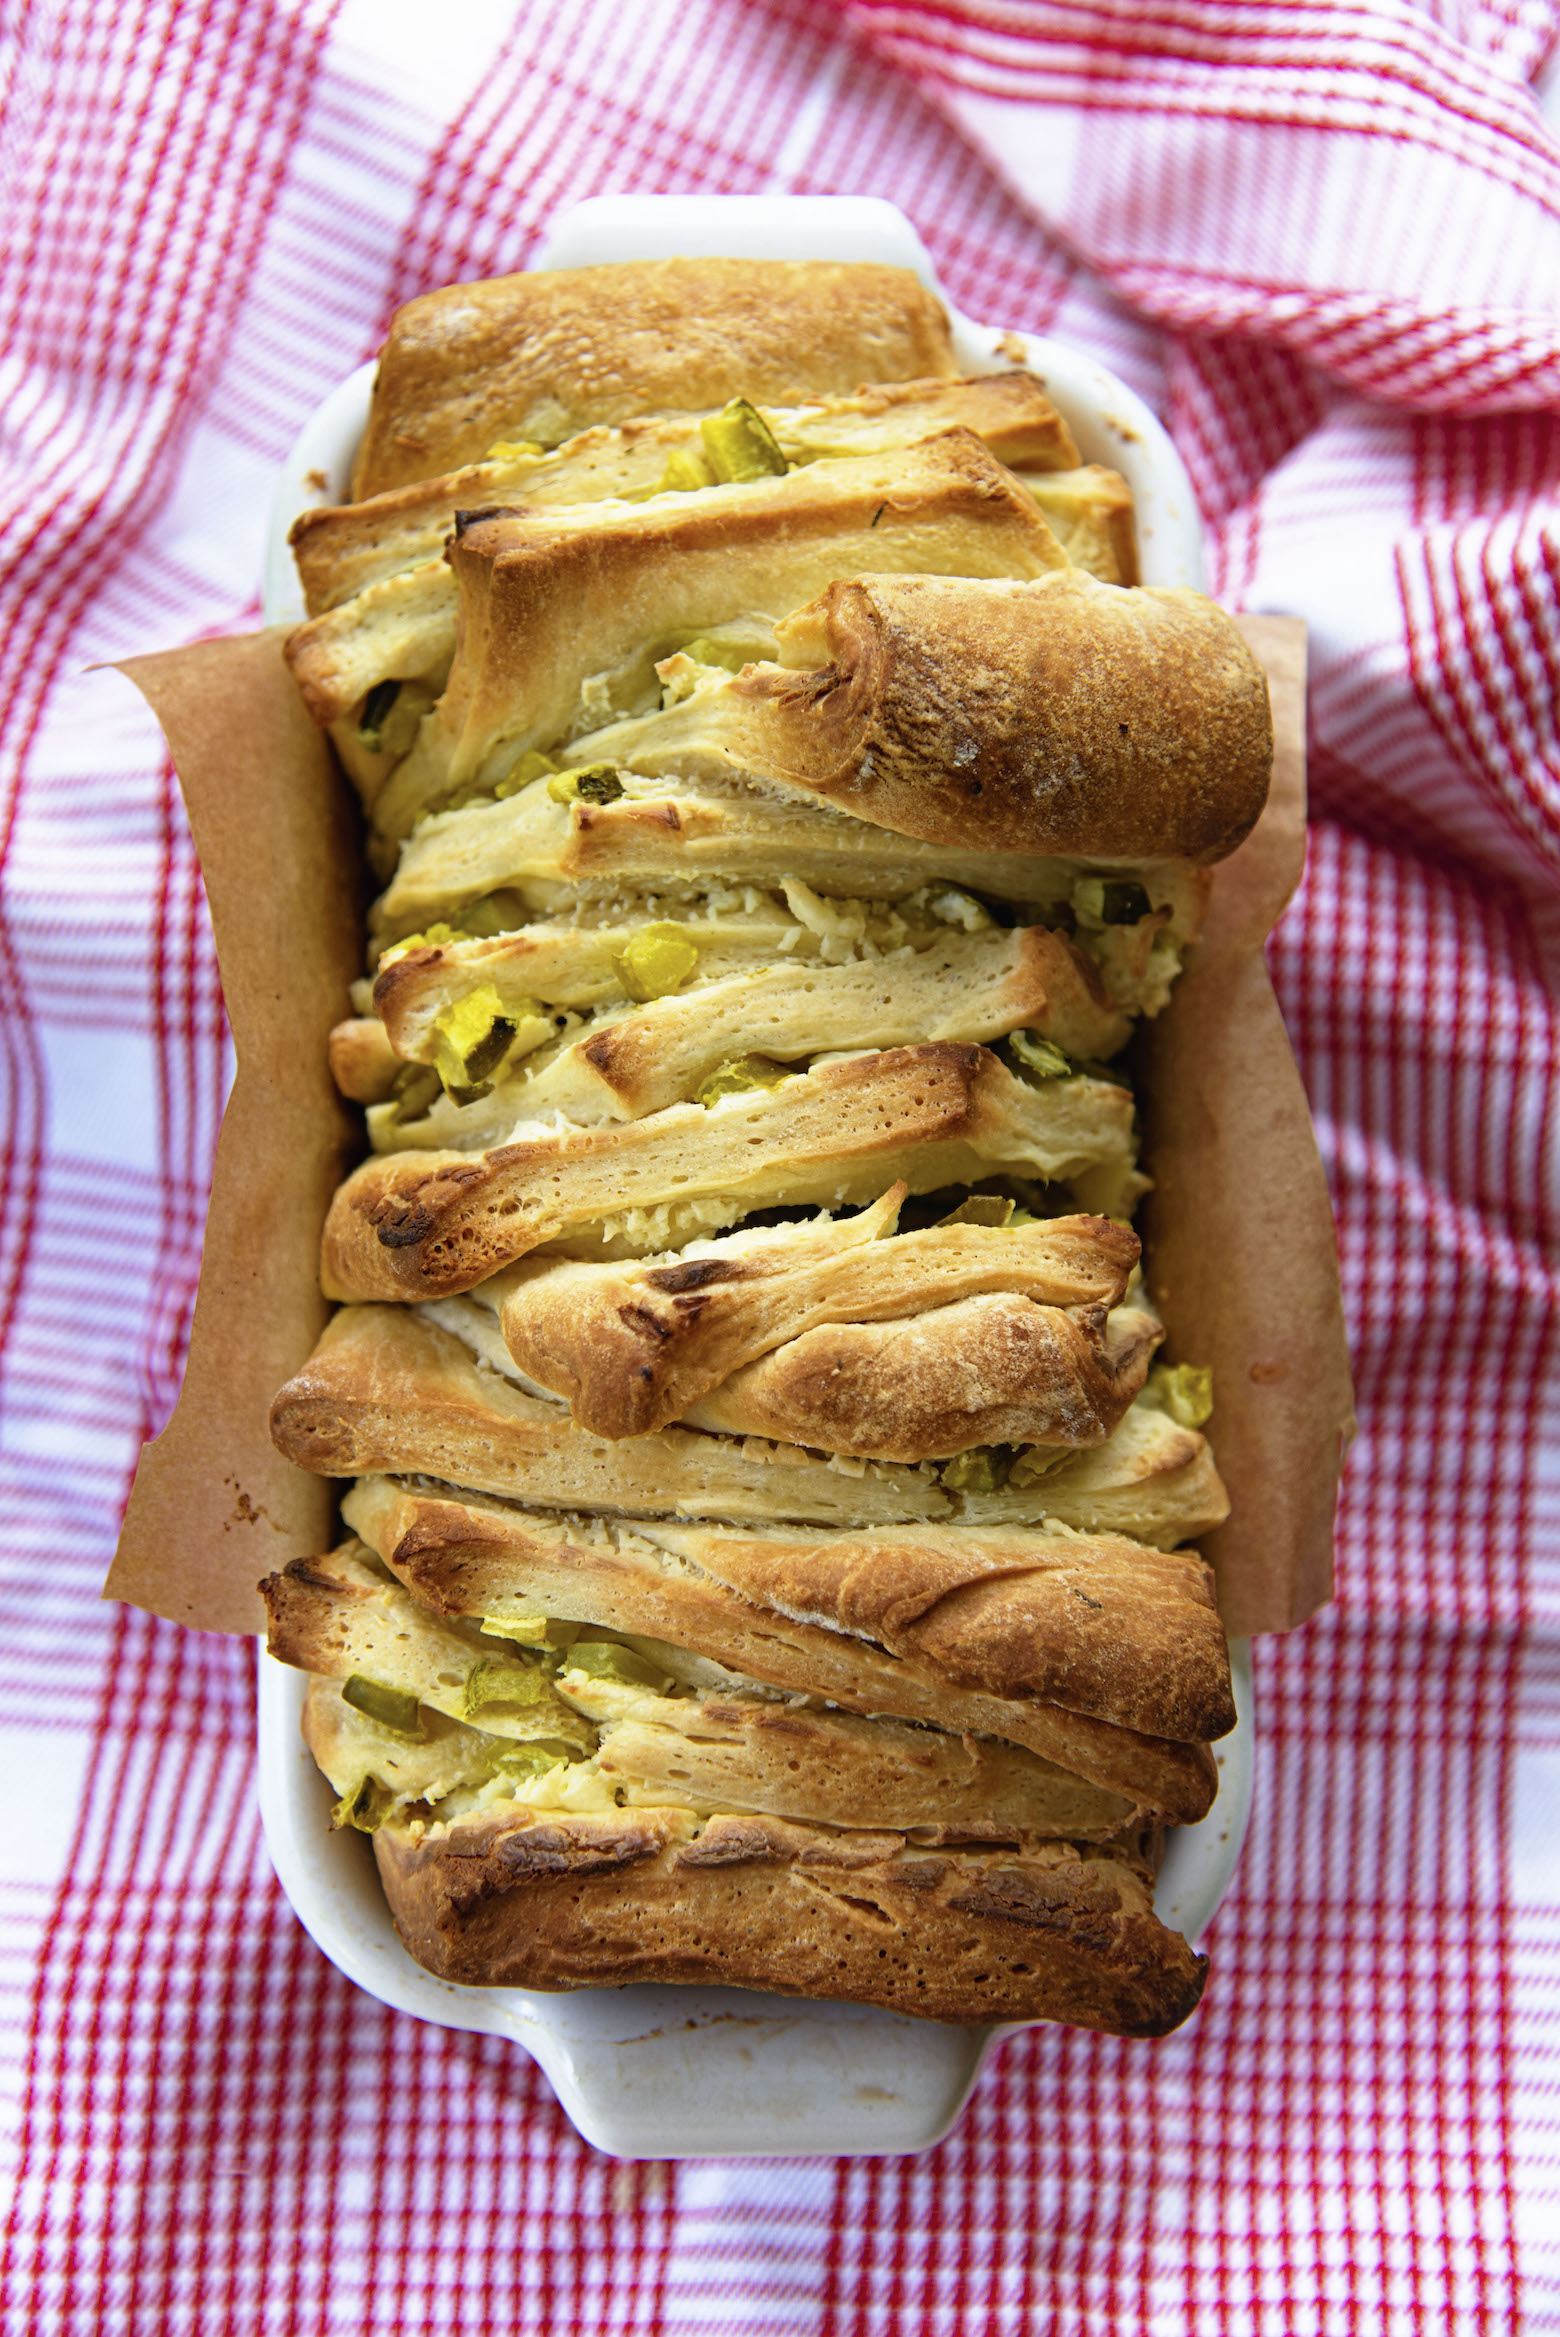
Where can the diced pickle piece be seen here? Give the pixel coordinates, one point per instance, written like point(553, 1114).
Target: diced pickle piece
point(732, 656)
point(595, 783)
point(390, 715)
point(531, 767)
point(366, 1807)
point(739, 1076)
point(1111, 900)
point(985, 1470)
point(981, 1209)
point(534, 1631)
point(435, 935)
point(391, 1707)
point(375, 708)
point(1038, 1056)
point(494, 913)
point(414, 1091)
point(685, 473)
point(517, 1687)
point(535, 1758)
point(604, 1659)
point(471, 1039)
point(658, 960)
point(1035, 1461)
point(740, 444)
point(1185, 1390)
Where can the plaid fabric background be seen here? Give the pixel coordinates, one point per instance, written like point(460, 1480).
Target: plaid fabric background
point(1324, 241)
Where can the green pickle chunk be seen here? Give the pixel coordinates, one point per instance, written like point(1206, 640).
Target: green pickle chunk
point(414, 1091)
point(515, 1687)
point(740, 1076)
point(657, 961)
point(492, 914)
point(1038, 1056)
point(535, 1758)
point(981, 1209)
point(596, 783)
point(603, 1659)
point(534, 1631)
point(1185, 1390)
point(366, 1807)
point(732, 655)
point(985, 1470)
point(1111, 900)
point(531, 767)
point(375, 712)
point(740, 445)
point(471, 1039)
point(685, 473)
point(389, 716)
point(391, 1707)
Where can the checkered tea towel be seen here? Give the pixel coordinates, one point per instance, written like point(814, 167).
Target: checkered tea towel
point(1324, 241)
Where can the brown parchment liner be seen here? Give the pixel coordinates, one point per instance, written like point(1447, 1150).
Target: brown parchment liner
point(1240, 1234)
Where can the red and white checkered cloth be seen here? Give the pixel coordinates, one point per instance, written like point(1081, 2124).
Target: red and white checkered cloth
point(1324, 240)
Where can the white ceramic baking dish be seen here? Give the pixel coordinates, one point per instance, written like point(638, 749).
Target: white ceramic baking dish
point(650, 2072)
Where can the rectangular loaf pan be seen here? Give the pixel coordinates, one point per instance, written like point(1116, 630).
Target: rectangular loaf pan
point(693, 2072)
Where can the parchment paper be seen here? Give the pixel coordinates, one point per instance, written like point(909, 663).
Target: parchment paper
point(1242, 1255)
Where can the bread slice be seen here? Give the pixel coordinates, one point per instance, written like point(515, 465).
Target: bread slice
point(1053, 715)
point(521, 1899)
point(964, 987)
point(543, 355)
point(633, 1345)
point(387, 1388)
point(1097, 1622)
point(517, 1899)
point(736, 1746)
point(1090, 512)
point(460, 1556)
point(342, 548)
point(682, 840)
point(424, 1224)
point(564, 613)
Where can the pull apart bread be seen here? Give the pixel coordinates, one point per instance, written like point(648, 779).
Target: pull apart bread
point(766, 1554)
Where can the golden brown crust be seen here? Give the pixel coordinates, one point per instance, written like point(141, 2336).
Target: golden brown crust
point(991, 1370)
point(422, 1224)
point(1100, 1625)
point(541, 356)
point(385, 1390)
point(1055, 715)
point(524, 1900)
point(679, 835)
point(966, 987)
point(632, 1346)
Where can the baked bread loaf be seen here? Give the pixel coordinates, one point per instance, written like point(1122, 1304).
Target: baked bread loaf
point(770, 1513)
